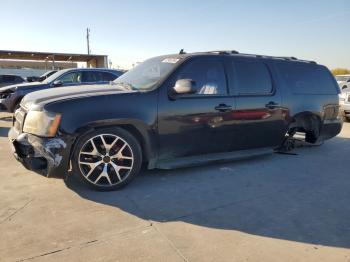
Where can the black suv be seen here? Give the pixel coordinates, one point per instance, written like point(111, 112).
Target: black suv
point(173, 111)
point(11, 96)
point(6, 80)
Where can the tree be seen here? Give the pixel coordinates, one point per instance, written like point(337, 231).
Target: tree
point(340, 71)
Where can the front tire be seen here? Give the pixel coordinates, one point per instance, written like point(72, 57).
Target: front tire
point(106, 159)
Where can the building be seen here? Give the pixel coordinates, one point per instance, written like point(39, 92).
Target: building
point(26, 64)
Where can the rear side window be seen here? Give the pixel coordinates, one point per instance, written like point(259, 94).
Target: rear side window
point(252, 78)
point(8, 79)
point(91, 77)
point(307, 78)
point(108, 76)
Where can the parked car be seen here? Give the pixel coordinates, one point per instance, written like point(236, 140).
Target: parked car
point(344, 102)
point(343, 81)
point(173, 111)
point(42, 77)
point(11, 96)
point(6, 80)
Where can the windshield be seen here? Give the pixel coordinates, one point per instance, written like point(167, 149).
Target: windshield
point(145, 75)
point(46, 75)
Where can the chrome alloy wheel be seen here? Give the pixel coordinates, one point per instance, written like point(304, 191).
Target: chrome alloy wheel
point(106, 160)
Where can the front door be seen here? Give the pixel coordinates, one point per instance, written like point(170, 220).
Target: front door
point(195, 124)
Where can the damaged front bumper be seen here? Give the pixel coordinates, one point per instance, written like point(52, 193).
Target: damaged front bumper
point(47, 156)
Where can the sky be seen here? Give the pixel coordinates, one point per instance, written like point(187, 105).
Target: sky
point(132, 31)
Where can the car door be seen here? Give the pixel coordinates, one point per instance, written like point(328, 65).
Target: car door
point(262, 119)
point(195, 124)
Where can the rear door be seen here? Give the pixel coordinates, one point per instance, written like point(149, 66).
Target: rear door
point(258, 108)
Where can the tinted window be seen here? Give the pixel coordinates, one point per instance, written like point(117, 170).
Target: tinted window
point(91, 76)
point(307, 78)
point(74, 77)
point(207, 74)
point(8, 79)
point(19, 79)
point(105, 76)
point(252, 77)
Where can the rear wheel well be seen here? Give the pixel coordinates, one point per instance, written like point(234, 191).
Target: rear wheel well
point(308, 123)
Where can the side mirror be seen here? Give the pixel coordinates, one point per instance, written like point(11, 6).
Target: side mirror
point(184, 86)
point(57, 83)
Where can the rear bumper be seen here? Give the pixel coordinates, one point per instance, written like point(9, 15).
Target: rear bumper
point(330, 128)
point(46, 156)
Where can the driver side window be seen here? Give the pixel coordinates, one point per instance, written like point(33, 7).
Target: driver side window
point(71, 78)
point(207, 74)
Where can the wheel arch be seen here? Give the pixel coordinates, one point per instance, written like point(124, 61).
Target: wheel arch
point(139, 130)
point(306, 121)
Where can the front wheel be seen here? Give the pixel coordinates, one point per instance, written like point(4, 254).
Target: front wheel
point(107, 158)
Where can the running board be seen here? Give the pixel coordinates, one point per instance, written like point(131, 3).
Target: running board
point(212, 158)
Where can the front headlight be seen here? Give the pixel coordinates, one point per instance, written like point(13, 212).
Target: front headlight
point(42, 123)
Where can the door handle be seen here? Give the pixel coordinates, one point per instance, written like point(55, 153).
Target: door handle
point(271, 105)
point(223, 108)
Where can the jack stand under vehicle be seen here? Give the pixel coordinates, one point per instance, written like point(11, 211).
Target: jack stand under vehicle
point(287, 145)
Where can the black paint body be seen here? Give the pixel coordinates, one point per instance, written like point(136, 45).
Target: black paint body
point(169, 127)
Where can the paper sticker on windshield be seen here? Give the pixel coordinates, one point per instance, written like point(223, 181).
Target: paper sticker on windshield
point(171, 60)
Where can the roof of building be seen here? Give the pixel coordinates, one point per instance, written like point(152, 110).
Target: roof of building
point(29, 55)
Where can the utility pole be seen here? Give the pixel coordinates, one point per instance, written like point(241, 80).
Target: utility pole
point(88, 40)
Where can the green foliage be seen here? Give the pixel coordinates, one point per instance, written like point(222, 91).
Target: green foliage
point(340, 71)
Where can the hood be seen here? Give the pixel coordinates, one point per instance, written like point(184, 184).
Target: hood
point(21, 86)
point(45, 96)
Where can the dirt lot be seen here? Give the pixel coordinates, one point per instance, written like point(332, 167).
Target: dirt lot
point(273, 208)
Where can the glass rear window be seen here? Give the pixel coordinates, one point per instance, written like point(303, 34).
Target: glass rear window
point(307, 78)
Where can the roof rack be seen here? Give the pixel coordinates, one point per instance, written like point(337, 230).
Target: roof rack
point(234, 52)
point(289, 58)
point(224, 52)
